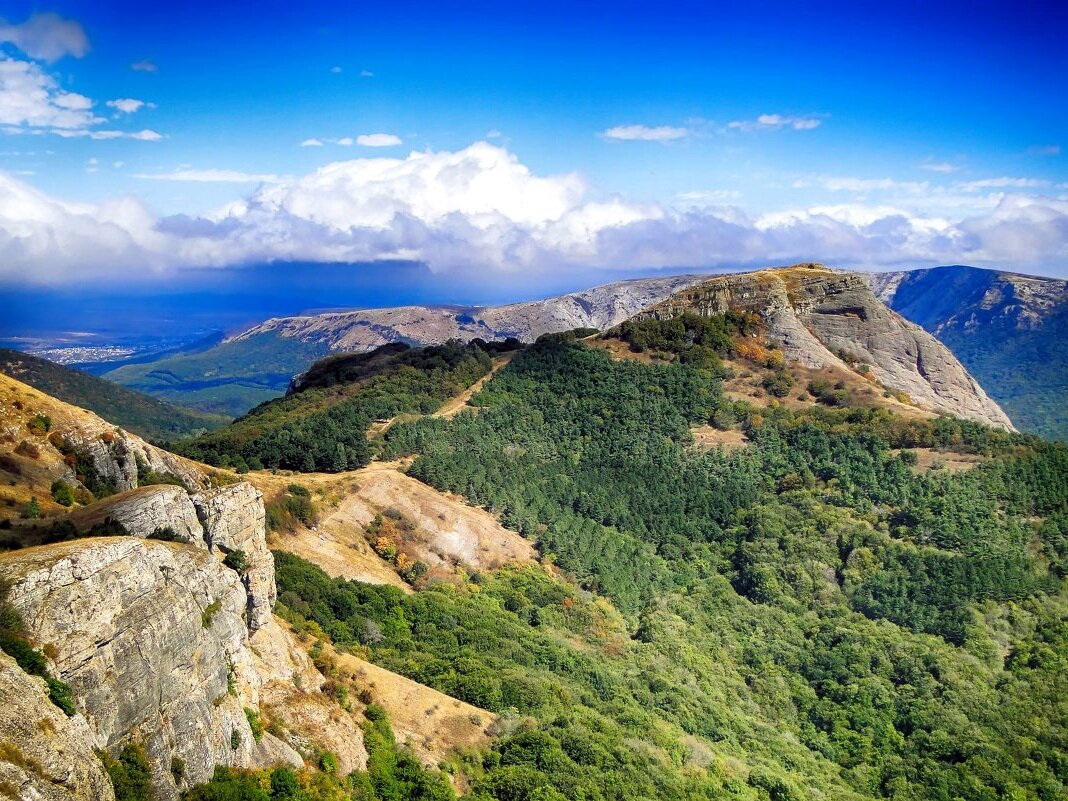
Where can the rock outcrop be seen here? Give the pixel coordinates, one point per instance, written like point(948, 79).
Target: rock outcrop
point(221, 520)
point(233, 519)
point(152, 638)
point(43, 440)
point(1008, 329)
point(817, 315)
point(44, 755)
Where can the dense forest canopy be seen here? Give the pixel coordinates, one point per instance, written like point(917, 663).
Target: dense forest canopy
point(808, 616)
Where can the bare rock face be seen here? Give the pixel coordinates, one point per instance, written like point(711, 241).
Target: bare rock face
point(145, 511)
point(816, 313)
point(218, 520)
point(233, 519)
point(152, 638)
point(45, 755)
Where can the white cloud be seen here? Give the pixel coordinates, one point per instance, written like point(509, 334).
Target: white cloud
point(128, 105)
point(850, 184)
point(345, 141)
point(939, 166)
point(33, 102)
point(493, 134)
point(144, 66)
point(47, 37)
point(366, 74)
point(31, 97)
point(378, 140)
point(481, 208)
point(1044, 150)
point(645, 133)
point(312, 143)
point(336, 70)
point(776, 122)
point(210, 176)
point(1002, 183)
point(145, 135)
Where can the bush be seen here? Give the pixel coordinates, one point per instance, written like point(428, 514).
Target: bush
point(40, 424)
point(778, 383)
point(62, 493)
point(236, 560)
point(31, 510)
point(130, 774)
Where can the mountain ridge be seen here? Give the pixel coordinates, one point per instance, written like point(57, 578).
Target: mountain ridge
point(1007, 328)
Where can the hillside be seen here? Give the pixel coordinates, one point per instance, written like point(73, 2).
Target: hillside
point(256, 365)
point(142, 414)
point(822, 318)
point(1008, 329)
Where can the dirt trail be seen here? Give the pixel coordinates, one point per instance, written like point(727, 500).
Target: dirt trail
point(452, 407)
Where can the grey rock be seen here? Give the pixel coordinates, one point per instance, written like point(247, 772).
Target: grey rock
point(46, 755)
point(816, 313)
point(233, 519)
point(152, 639)
point(145, 510)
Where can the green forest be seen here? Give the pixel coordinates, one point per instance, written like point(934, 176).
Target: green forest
point(806, 617)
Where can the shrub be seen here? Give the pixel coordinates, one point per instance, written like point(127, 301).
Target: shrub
point(62, 493)
point(130, 773)
point(40, 424)
point(778, 383)
point(237, 560)
point(31, 510)
point(254, 723)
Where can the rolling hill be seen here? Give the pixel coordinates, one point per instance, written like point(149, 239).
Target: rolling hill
point(140, 413)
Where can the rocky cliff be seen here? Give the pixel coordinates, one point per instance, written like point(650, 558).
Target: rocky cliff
point(156, 637)
point(1008, 329)
point(44, 755)
point(818, 315)
point(43, 440)
point(227, 520)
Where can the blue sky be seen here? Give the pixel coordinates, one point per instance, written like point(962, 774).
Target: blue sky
point(648, 135)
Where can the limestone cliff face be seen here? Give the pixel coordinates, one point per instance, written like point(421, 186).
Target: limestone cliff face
point(44, 754)
point(152, 638)
point(216, 520)
point(234, 520)
point(816, 313)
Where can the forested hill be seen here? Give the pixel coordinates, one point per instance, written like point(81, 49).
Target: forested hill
point(759, 581)
point(142, 414)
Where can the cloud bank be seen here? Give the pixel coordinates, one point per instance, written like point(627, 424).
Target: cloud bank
point(481, 208)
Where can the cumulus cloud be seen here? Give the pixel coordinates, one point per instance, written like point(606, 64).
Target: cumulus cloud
point(645, 133)
point(46, 37)
point(211, 176)
point(366, 74)
point(144, 66)
point(33, 102)
point(378, 140)
point(312, 143)
point(482, 208)
point(31, 97)
point(776, 122)
point(128, 105)
point(1044, 150)
point(336, 70)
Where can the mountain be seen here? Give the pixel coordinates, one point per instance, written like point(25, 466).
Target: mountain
point(142, 414)
point(822, 317)
point(257, 364)
point(1008, 329)
point(675, 560)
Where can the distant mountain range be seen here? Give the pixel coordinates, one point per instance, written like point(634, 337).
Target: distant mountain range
point(1009, 330)
point(144, 415)
point(257, 364)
